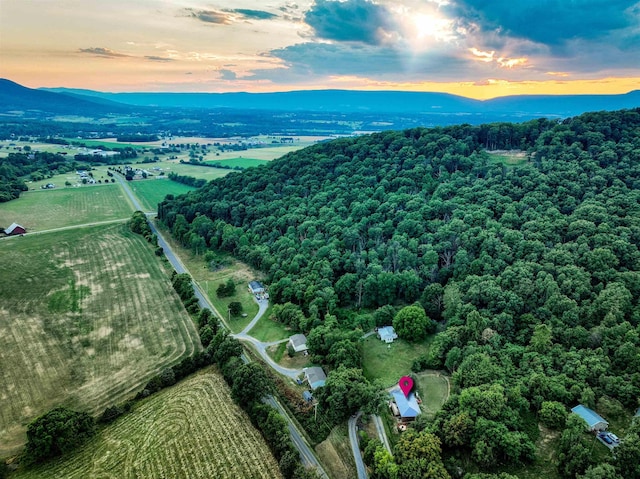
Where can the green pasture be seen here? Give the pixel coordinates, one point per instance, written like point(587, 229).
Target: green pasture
point(150, 192)
point(66, 206)
point(107, 144)
point(186, 169)
point(87, 317)
point(389, 362)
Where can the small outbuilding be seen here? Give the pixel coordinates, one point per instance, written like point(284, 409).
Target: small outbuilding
point(15, 229)
point(315, 376)
point(298, 342)
point(307, 396)
point(387, 334)
point(407, 406)
point(594, 421)
point(256, 287)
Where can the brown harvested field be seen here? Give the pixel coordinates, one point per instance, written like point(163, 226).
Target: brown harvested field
point(87, 316)
point(192, 430)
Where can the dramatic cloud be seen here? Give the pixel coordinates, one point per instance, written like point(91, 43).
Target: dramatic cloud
point(350, 21)
point(254, 14)
point(102, 52)
point(210, 16)
point(550, 22)
point(154, 58)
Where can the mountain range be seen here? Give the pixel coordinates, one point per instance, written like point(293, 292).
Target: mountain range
point(76, 101)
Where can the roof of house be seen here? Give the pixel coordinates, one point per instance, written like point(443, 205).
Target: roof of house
point(298, 340)
point(307, 396)
point(637, 412)
point(316, 376)
point(13, 226)
point(591, 417)
point(407, 405)
point(387, 332)
point(255, 285)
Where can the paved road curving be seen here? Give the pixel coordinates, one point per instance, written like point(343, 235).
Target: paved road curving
point(355, 447)
point(307, 456)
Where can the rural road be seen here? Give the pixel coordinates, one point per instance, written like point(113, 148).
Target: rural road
point(382, 433)
point(355, 447)
point(307, 456)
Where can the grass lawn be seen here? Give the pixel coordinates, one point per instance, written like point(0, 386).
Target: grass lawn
point(434, 391)
point(241, 162)
point(56, 208)
point(191, 430)
point(87, 316)
point(152, 191)
point(279, 354)
point(210, 280)
point(389, 364)
point(267, 330)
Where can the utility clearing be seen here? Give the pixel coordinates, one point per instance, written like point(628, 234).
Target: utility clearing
point(191, 430)
point(87, 317)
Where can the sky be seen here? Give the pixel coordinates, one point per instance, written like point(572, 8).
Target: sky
point(476, 48)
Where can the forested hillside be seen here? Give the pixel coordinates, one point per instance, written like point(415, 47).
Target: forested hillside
point(533, 269)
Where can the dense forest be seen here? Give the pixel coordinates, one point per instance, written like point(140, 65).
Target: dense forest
point(532, 271)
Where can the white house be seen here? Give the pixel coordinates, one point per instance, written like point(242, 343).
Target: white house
point(298, 342)
point(387, 334)
point(315, 376)
point(256, 287)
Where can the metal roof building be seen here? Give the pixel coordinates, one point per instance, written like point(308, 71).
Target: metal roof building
point(594, 421)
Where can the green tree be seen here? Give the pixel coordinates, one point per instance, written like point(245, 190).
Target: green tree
point(251, 384)
point(57, 432)
point(235, 308)
point(411, 323)
point(553, 414)
point(346, 391)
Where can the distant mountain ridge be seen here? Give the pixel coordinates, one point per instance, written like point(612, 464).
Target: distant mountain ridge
point(352, 101)
point(15, 97)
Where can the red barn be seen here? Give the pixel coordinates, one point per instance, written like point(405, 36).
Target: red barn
point(15, 229)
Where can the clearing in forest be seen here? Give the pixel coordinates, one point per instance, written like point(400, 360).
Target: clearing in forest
point(87, 316)
point(191, 430)
point(434, 391)
point(66, 206)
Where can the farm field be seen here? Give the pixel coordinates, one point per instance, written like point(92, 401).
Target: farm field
point(150, 192)
point(87, 316)
point(389, 364)
point(191, 430)
point(60, 207)
point(187, 169)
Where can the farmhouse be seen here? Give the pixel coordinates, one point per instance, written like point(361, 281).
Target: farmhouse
point(15, 229)
point(406, 407)
point(298, 342)
point(594, 421)
point(315, 376)
point(387, 334)
point(255, 287)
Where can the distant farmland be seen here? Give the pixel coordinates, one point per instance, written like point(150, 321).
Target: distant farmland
point(86, 317)
point(42, 210)
point(191, 430)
